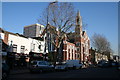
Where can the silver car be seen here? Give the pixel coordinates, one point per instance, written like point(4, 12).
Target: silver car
point(40, 66)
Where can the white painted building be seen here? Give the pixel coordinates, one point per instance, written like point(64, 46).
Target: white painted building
point(21, 44)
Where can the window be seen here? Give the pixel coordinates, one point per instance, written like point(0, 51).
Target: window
point(68, 53)
point(33, 47)
point(14, 48)
point(75, 51)
point(83, 49)
point(78, 49)
point(78, 44)
point(75, 56)
point(22, 49)
point(39, 47)
point(78, 56)
point(72, 54)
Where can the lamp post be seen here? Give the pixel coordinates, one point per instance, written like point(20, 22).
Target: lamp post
point(11, 46)
point(46, 37)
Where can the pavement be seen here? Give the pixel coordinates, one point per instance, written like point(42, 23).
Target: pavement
point(19, 71)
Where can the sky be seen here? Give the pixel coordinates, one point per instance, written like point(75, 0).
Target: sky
point(100, 17)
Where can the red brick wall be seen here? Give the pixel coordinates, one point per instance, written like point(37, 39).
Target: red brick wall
point(6, 38)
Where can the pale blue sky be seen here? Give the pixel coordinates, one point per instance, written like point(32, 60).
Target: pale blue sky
point(102, 18)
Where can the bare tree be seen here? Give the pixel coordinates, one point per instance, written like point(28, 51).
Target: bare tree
point(62, 17)
point(101, 43)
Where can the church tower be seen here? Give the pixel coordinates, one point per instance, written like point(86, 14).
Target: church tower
point(78, 34)
point(78, 28)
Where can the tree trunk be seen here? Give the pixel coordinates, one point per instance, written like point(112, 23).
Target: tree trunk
point(59, 53)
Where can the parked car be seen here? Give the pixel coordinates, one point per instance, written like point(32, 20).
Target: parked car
point(5, 71)
point(61, 66)
point(74, 64)
point(103, 63)
point(113, 63)
point(40, 66)
point(118, 68)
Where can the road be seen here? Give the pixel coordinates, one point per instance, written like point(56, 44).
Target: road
point(88, 73)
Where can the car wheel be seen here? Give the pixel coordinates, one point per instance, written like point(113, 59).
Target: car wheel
point(53, 70)
point(66, 69)
point(80, 67)
point(74, 67)
point(31, 71)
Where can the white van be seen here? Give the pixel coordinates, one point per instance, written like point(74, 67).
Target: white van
point(74, 64)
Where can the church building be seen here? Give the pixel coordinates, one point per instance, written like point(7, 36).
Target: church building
point(77, 47)
point(82, 40)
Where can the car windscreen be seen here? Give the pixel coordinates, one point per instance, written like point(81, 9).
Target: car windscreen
point(61, 64)
point(33, 62)
point(42, 63)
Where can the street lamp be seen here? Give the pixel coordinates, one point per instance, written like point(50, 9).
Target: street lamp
point(46, 38)
point(11, 46)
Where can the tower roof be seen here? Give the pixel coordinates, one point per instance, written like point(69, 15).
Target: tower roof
point(78, 13)
point(79, 19)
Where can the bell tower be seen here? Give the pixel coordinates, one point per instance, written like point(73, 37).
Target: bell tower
point(78, 28)
point(78, 35)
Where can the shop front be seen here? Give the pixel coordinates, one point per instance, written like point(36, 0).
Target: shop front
point(16, 60)
point(35, 56)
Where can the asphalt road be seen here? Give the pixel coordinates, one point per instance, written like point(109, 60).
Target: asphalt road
point(88, 73)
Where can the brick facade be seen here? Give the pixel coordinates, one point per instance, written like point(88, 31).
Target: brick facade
point(82, 41)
